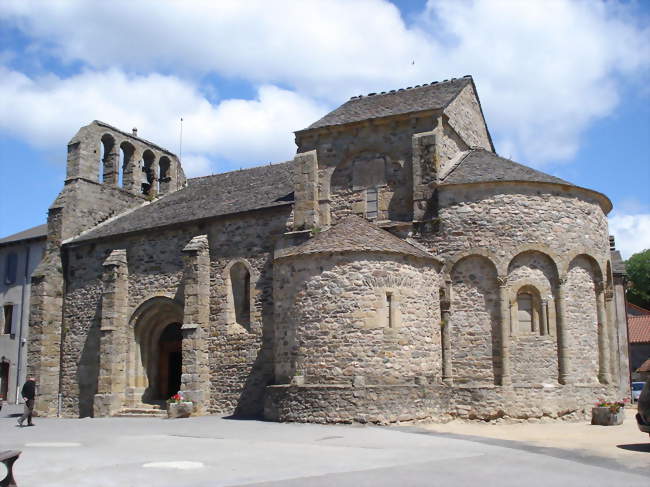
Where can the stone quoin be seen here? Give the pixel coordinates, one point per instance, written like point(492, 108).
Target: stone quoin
point(396, 269)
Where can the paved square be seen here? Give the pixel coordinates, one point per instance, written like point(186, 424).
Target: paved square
point(215, 451)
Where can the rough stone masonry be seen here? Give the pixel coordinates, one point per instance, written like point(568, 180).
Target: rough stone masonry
point(396, 269)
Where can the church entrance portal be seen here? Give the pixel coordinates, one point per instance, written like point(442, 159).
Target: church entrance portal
point(156, 358)
point(170, 361)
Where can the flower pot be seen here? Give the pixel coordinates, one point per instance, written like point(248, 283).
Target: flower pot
point(603, 416)
point(179, 409)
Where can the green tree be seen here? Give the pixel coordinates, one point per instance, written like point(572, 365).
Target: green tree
point(638, 271)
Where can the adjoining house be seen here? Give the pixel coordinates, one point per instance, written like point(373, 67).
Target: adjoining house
point(19, 255)
point(397, 268)
point(639, 336)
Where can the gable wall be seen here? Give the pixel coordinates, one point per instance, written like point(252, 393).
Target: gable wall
point(465, 118)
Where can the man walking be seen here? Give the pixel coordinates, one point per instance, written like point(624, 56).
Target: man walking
point(29, 394)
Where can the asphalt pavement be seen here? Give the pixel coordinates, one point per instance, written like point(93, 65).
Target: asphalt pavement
point(217, 451)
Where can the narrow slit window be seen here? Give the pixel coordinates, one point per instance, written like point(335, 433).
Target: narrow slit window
point(371, 203)
point(240, 281)
point(9, 318)
point(390, 310)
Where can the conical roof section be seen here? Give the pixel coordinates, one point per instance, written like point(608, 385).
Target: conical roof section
point(355, 234)
point(482, 166)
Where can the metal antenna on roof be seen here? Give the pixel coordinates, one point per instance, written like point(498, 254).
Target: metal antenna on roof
point(180, 143)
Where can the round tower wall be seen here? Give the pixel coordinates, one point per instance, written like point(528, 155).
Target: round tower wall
point(357, 318)
point(505, 217)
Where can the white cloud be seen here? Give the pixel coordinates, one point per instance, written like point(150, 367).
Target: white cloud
point(197, 165)
point(632, 232)
point(545, 70)
point(47, 111)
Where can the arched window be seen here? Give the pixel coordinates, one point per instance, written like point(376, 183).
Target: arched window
point(525, 312)
point(240, 283)
point(126, 168)
point(108, 159)
point(164, 178)
point(147, 172)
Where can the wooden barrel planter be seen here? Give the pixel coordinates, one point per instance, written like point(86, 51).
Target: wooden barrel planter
point(603, 416)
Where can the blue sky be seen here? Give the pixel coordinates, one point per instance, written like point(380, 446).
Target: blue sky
point(564, 84)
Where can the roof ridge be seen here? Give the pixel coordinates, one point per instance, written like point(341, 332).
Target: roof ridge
point(141, 139)
point(399, 90)
point(272, 164)
point(365, 237)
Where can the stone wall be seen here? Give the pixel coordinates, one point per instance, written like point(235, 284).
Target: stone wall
point(582, 321)
point(504, 217)
point(466, 119)
point(390, 404)
point(534, 353)
point(333, 323)
point(474, 327)
point(533, 235)
point(239, 359)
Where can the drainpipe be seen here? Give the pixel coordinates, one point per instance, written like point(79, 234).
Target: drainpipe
point(22, 323)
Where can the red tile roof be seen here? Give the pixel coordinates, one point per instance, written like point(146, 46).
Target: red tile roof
point(639, 328)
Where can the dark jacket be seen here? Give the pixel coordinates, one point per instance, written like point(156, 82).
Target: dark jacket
point(29, 389)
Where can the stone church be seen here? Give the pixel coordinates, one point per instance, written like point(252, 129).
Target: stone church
point(396, 269)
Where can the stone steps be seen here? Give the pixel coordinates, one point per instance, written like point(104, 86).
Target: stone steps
point(149, 412)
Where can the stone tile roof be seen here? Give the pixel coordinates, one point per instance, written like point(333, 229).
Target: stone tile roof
point(206, 197)
point(432, 96)
point(638, 328)
point(482, 166)
point(355, 234)
point(39, 231)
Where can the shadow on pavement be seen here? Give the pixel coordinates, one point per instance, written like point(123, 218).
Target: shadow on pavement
point(641, 447)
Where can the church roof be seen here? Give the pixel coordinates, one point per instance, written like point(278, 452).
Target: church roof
point(482, 166)
point(37, 232)
point(206, 197)
point(354, 234)
point(432, 96)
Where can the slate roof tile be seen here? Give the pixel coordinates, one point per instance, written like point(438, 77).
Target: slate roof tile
point(39, 231)
point(480, 166)
point(432, 96)
point(354, 234)
point(206, 197)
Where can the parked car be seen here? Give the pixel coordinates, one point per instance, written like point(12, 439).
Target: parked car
point(643, 414)
point(637, 387)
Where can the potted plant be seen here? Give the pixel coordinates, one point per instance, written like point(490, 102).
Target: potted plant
point(606, 413)
point(178, 407)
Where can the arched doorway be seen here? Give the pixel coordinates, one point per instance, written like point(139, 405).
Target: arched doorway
point(170, 360)
point(155, 357)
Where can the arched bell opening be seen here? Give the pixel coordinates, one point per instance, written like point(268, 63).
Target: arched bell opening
point(155, 359)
